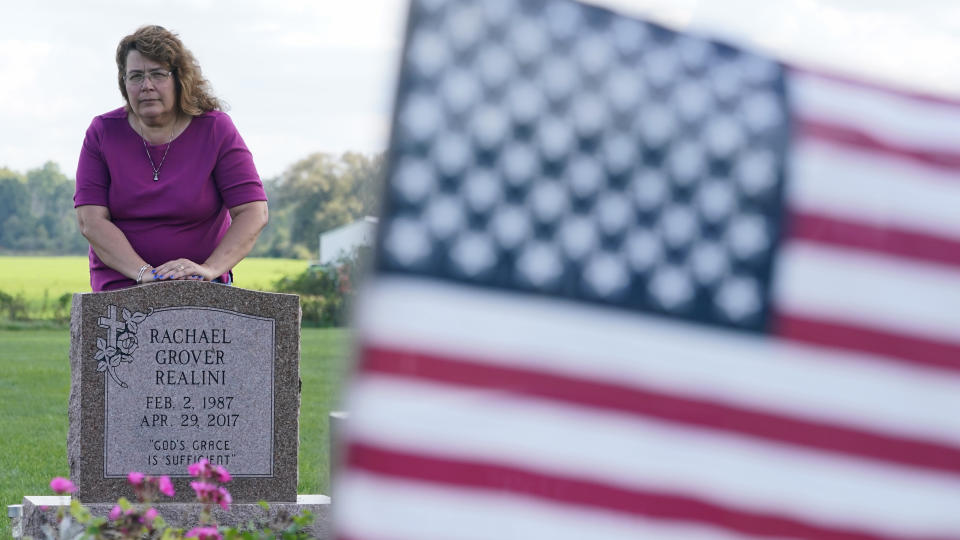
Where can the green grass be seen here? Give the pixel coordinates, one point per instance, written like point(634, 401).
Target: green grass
point(35, 387)
point(42, 280)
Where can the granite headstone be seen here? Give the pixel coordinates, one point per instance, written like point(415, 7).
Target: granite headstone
point(165, 374)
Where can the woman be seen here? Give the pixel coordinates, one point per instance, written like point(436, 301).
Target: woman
point(166, 187)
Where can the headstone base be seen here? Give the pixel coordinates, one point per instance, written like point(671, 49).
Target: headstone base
point(39, 510)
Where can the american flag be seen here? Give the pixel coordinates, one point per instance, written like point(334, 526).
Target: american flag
point(632, 283)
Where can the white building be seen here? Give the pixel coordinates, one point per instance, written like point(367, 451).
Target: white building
point(341, 241)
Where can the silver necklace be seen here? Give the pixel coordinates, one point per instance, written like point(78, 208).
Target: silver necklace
point(156, 169)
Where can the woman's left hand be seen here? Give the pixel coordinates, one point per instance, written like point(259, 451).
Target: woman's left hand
point(183, 269)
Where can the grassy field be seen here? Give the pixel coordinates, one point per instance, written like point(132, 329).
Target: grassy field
point(35, 387)
point(42, 280)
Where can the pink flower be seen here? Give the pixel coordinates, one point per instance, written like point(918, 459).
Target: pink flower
point(61, 485)
point(204, 533)
point(149, 516)
point(135, 478)
point(165, 486)
point(115, 513)
point(221, 475)
point(223, 498)
point(199, 469)
point(203, 490)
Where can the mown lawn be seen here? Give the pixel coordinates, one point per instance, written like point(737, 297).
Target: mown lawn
point(43, 280)
point(35, 387)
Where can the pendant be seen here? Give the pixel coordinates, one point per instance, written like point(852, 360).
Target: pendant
point(156, 177)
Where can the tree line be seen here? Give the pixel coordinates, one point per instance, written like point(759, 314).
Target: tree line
point(317, 193)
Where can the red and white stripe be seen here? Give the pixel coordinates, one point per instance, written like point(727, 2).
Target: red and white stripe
point(478, 414)
point(871, 257)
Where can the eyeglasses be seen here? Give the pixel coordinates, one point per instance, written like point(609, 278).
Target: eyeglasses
point(156, 76)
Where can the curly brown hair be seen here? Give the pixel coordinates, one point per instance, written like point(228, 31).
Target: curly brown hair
point(194, 95)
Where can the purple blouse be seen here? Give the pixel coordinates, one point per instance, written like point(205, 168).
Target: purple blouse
point(208, 169)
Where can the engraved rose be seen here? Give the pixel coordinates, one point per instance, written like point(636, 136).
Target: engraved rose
point(126, 344)
point(121, 341)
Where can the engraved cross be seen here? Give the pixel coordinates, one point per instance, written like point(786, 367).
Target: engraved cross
point(111, 322)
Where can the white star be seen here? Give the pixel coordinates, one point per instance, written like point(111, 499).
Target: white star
point(629, 36)
point(407, 241)
point(464, 25)
point(661, 66)
point(748, 236)
point(613, 213)
point(619, 153)
point(548, 200)
point(563, 19)
point(686, 162)
point(421, 117)
point(589, 114)
point(451, 153)
point(555, 138)
point(692, 100)
point(624, 90)
point(755, 172)
point(489, 125)
point(540, 264)
point(607, 275)
point(578, 235)
point(761, 111)
point(495, 65)
point(671, 287)
point(529, 40)
point(460, 90)
point(511, 226)
point(428, 53)
point(738, 298)
point(585, 176)
point(497, 13)
point(716, 200)
point(724, 136)
point(657, 125)
point(726, 81)
point(643, 250)
point(650, 189)
point(678, 224)
point(709, 262)
point(473, 253)
point(482, 190)
point(519, 164)
point(525, 102)
point(558, 78)
point(695, 53)
point(414, 179)
point(594, 53)
point(444, 216)
point(758, 70)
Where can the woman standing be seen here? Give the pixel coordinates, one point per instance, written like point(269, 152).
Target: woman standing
point(166, 187)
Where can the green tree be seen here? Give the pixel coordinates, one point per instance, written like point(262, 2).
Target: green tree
point(316, 194)
point(36, 212)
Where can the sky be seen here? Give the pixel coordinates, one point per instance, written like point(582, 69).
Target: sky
point(305, 76)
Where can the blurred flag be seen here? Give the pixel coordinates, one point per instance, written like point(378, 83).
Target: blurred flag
point(637, 284)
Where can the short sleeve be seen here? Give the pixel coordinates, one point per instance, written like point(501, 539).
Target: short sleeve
point(93, 177)
point(235, 174)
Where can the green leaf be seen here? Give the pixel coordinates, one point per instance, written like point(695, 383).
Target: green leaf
point(123, 503)
point(79, 512)
point(264, 504)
